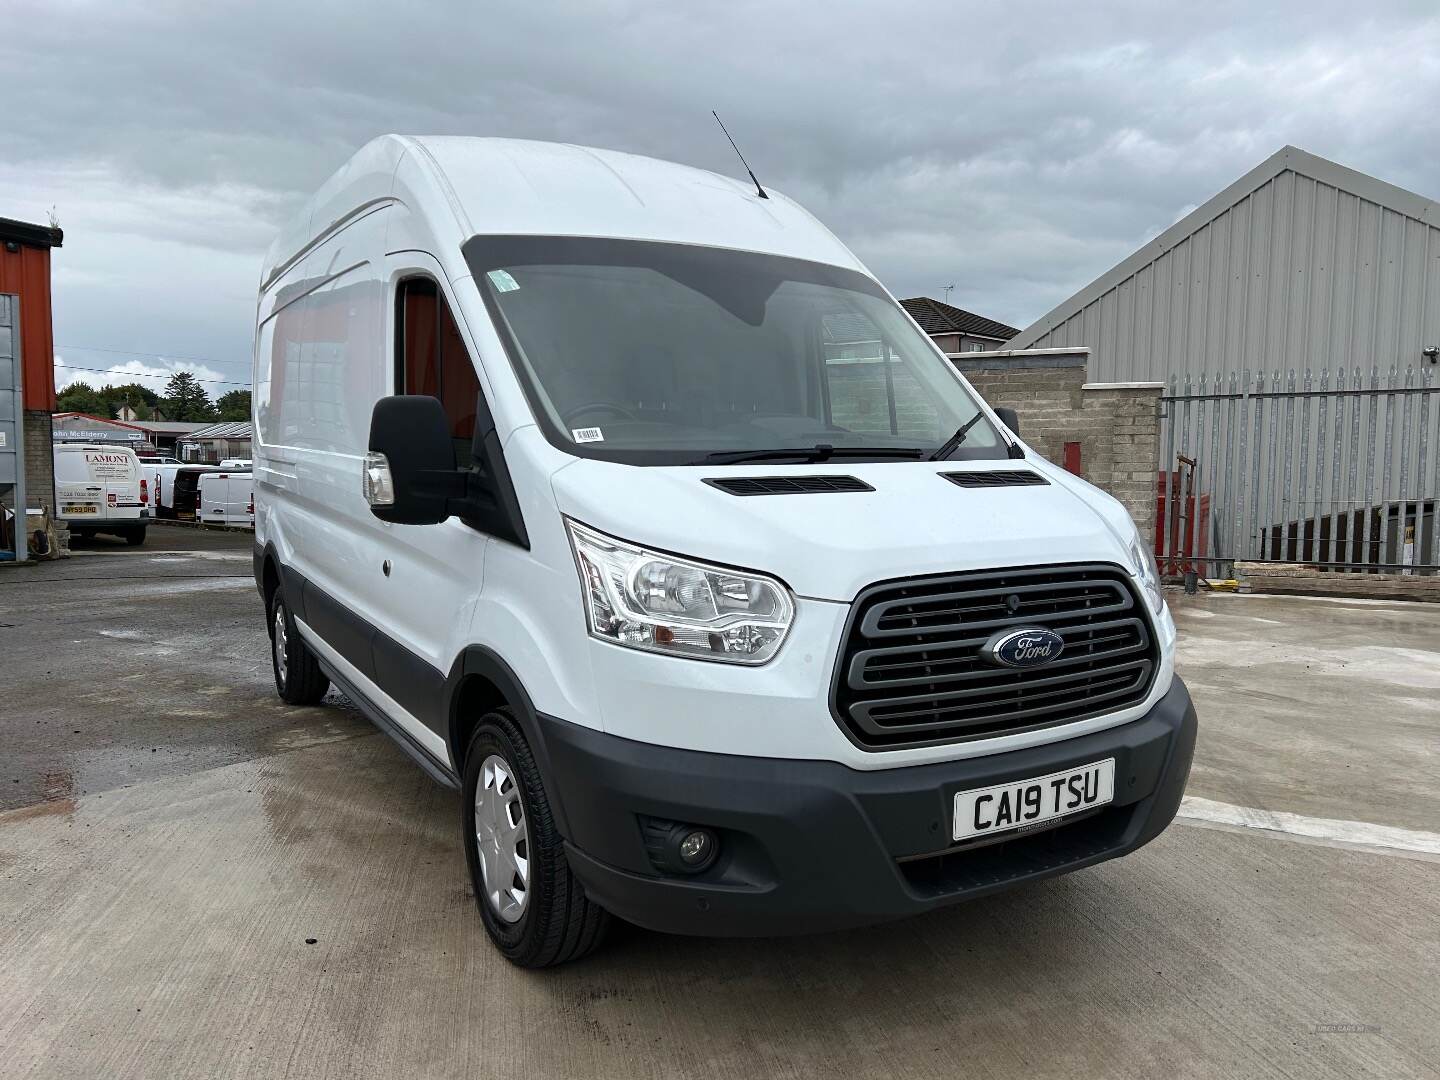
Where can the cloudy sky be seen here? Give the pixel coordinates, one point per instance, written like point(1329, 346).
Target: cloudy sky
point(1013, 149)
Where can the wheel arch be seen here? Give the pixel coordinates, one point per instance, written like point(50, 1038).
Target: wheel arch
point(480, 681)
point(267, 572)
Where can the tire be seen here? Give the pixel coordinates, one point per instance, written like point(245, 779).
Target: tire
point(135, 537)
point(556, 922)
point(298, 678)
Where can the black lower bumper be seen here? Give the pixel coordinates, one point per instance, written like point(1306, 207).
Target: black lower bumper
point(813, 845)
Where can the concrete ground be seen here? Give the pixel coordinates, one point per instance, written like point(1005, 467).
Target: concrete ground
point(197, 881)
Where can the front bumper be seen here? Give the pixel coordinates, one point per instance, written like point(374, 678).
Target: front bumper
point(814, 845)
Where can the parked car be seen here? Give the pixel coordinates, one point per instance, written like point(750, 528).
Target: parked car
point(100, 488)
point(629, 503)
point(226, 497)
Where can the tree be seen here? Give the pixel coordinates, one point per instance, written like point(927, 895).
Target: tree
point(81, 397)
point(106, 401)
point(140, 398)
point(234, 405)
point(185, 399)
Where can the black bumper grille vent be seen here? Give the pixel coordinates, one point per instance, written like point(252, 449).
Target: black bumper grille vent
point(911, 674)
point(789, 485)
point(1002, 478)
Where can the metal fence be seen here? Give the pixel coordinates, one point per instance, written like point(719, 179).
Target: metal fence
point(1339, 470)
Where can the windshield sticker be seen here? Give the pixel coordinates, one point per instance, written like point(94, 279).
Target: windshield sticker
point(502, 280)
point(587, 434)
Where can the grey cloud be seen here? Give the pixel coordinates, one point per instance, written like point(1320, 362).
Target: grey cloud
point(1016, 149)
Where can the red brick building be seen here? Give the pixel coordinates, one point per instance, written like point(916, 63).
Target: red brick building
point(30, 345)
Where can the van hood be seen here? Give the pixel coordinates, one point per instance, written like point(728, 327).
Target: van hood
point(830, 546)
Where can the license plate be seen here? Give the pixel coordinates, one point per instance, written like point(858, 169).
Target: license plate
point(81, 508)
point(1024, 803)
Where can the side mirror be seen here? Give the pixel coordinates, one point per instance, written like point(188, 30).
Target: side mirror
point(410, 475)
point(1010, 419)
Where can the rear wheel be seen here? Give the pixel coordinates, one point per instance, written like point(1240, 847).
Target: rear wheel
point(533, 908)
point(298, 678)
point(135, 537)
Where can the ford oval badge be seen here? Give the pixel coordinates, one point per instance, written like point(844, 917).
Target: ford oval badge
point(1028, 646)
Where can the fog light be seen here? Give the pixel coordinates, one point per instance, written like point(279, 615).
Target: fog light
point(678, 848)
point(695, 847)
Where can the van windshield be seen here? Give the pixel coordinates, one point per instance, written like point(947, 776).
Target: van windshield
point(653, 353)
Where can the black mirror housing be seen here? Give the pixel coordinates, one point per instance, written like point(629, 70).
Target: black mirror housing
point(1010, 419)
point(413, 433)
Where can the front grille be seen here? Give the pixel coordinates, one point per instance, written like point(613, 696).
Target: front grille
point(788, 485)
point(910, 671)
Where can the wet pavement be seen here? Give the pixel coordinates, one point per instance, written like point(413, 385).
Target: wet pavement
point(197, 881)
point(133, 664)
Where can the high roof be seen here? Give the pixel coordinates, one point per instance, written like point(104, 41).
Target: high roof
point(1288, 159)
point(468, 186)
point(937, 317)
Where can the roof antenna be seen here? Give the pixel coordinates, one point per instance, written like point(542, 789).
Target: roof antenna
point(758, 189)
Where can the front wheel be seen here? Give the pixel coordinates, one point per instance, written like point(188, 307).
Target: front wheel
point(533, 908)
point(298, 678)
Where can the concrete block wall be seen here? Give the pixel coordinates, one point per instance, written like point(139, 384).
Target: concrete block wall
point(1116, 424)
point(39, 461)
point(40, 469)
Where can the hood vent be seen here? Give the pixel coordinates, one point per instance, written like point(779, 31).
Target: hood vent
point(788, 485)
point(1004, 478)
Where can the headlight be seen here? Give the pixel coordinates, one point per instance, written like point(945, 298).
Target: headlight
point(646, 600)
point(1143, 559)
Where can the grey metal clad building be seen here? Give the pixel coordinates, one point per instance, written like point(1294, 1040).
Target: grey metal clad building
point(1301, 263)
point(1295, 322)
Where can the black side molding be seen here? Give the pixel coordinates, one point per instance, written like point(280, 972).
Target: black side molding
point(435, 769)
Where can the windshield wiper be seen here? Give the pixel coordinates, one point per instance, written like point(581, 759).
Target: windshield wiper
point(950, 445)
point(807, 455)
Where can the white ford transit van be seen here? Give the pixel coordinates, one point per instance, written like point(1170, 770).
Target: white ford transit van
point(630, 504)
point(101, 488)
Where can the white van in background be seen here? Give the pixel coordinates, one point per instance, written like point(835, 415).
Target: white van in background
point(626, 500)
point(101, 489)
point(226, 497)
point(162, 477)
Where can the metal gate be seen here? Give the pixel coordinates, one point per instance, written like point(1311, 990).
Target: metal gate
point(1339, 470)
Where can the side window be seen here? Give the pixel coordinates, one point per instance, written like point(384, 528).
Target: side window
point(430, 357)
point(872, 388)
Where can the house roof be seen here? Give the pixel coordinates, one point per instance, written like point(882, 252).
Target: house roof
point(1286, 159)
point(156, 427)
point(22, 232)
point(235, 429)
point(937, 317)
point(62, 416)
